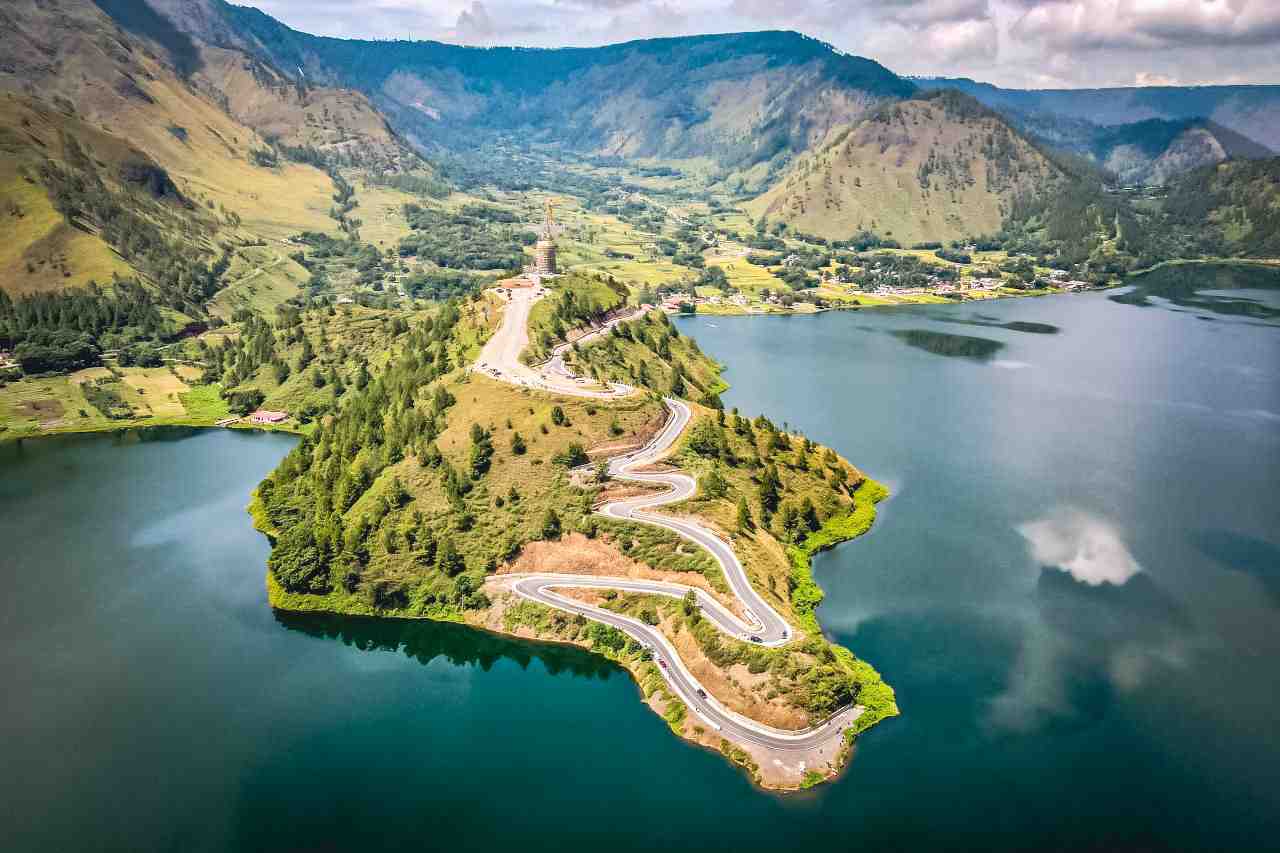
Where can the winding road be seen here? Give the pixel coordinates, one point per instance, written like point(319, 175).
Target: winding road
point(763, 625)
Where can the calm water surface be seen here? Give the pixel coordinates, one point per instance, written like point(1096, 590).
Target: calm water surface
point(153, 702)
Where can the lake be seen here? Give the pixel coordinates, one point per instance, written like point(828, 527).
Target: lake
point(1074, 588)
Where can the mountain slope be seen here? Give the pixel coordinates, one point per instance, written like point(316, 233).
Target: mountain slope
point(935, 168)
point(1155, 150)
point(1231, 209)
point(341, 124)
point(204, 118)
point(740, 99)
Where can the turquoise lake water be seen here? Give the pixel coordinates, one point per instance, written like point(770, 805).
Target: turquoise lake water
point(1074, 588)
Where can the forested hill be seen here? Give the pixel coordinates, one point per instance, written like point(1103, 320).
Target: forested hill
point(1232, 209)
point(741, 98)
point(933, 168)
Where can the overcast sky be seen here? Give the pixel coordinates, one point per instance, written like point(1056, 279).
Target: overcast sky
point(1024, 43)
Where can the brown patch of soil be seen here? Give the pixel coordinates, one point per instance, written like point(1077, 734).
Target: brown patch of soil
point(745, 697)
point(628, 443)
point(575, 554)
point(47, 412)
point(616, 490)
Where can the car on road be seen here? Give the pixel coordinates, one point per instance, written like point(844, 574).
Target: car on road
point(756, 639)
point(662, 663)
point(702, 694)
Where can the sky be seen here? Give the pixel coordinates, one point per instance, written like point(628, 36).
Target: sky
point(1016, 43)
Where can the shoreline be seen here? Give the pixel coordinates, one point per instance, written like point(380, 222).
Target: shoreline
point(837, 531)
point(8, 435)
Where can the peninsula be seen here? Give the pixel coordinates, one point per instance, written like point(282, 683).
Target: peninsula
point(597, 496)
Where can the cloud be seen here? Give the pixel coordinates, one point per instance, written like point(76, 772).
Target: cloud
point(1007, 42)
point(474, 24)
point(1085, 547)
point(1152, 78)
point(1147, 24)
point(929, 12)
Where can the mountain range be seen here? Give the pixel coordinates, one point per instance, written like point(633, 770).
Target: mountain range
point(229, 127)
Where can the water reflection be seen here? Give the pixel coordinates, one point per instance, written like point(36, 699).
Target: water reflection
point(954, 346)
point(1245, 554)
point(424, 641)
point(1013, 325)
point(1086, 644)
point(1189, 286)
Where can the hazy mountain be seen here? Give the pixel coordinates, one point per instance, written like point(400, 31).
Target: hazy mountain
point(1253, 111)
point(1156, 150)
point(934, 168)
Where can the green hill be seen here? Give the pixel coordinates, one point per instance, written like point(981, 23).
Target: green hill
point(934, 168)
point(740, 100)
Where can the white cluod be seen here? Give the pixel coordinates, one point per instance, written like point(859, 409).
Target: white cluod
point(1085, 547)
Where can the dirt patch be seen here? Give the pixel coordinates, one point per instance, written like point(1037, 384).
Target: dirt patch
point(748, 698)
point(616, 490)
point(575, 554)
point(47, 412)
point(629, 443)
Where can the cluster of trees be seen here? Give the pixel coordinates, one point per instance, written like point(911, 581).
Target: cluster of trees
point(761, 450)
point(659, 365)
point(65, 331)
point(351, 253)
point(140, 227)
point(476, 237)
point(411, 182)
point(308, 497)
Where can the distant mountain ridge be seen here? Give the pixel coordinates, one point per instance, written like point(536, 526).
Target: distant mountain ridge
point(1250, 110)
point(740, 99)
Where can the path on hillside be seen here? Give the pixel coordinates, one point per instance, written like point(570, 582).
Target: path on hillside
point(500, 356)
point(763, 624)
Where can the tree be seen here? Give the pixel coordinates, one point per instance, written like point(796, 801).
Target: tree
point(245, 401)
point(677, 383)
point(768, 490)
point(744, 516)
point(481, 451)
point(551, 524)
point(602, 471)
point(518, 447)
point(808, 514)
point(789, 521)
point(451, 562)
point(689, 604)
point(558, 416)
point(714, 484)
point(572, 456)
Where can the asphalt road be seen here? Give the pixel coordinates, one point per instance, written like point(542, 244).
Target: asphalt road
point(500, 356)
point(763, 625)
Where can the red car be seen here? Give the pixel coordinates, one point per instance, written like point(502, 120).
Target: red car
point(662, 664)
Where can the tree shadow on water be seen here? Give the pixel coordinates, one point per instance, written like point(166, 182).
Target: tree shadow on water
point(425, 640)
point(1245, 554)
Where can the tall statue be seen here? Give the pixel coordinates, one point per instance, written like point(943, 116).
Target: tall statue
point(544, 251)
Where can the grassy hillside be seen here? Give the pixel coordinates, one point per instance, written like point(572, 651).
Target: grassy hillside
point(930, 169)
point(42, 251)
point(340, 125)
point(741, 99)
